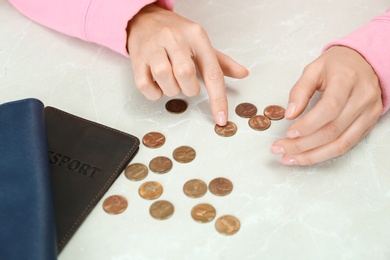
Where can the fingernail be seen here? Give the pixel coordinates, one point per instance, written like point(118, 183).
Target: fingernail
point(276, 149)
point(289, 161)
point(222, 119)
point(293, 134)
point(290, 110)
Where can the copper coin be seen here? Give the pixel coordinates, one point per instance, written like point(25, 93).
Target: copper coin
point(203, 213)
point(161, 209)
point(160, 164)
point(153, 140)
point(220, 186)
point(136, 171)
point(184, 154)
point(246, 110)
point(227, 225)
point(274, 112)
point(259, 122)
point(150, 190)
point(115, 204)
point(176, 106)
point(195, 188)
point(228, 130)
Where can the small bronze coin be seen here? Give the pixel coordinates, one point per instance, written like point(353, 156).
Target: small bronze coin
point(227, 225)
point(246, 110)
point(274, 112)
point(115, 204)
point(150, 190)
point(161, 209)
point(136, 171)
point(176, 106)
point(203, 213)
point(184, 154)
point(195, 188)
point(160, 164)
point(226, 131)
point(259, 122)
point(220, 186)
point(153, 139)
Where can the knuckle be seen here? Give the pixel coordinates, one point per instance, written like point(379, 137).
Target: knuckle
point(172, 92)
point(343, 146)
point(331, 132)
point(373, 92)
point(378, 109)
point(296, 147)
point(192, 92)
point(197, 30)
point(220, 101)
point(166, 33)
point(307, 160)
point(161, 71)
point(214, 73)
point(332, 105)
point(143, 85)
point(184, 70)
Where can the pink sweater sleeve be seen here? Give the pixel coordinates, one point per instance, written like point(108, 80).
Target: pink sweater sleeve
point(98, 21)
point(372, 41)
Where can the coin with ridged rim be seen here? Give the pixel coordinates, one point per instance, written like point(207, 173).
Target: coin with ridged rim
point(160, 164)
point(195, 188)
point(153, 140)
point(259, 122)
point(184, 154)
point(161, 209)
point(150, 190)
point(227, 225)
point(227, 130)
point(246, 110)
point(220, 186)
point(274, 112)
point(203, 212)
point(136, 171)
point(176, 106)
point(115, 204)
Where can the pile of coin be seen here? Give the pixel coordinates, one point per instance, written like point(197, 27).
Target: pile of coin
point(255, 121)
point(193, 188)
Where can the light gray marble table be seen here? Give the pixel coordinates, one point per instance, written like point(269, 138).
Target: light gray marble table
point(339, 209)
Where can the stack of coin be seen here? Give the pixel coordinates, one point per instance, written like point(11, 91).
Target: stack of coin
point(176, 106)
point(227, 130)
point(274, 112)
point(150, 190)
point(194, 188)
point(184, 154)
point(153, 139)
point(203, 212)
point(160, 164)
point(246, 110)
point(161, 209)
point(256, 122)
point(115, 204)
point(220, 186)
point(136, 171)
point(227, 225)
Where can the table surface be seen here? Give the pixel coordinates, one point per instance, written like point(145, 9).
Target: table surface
point(338, 209)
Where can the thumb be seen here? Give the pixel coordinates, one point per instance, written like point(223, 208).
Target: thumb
point(302, 91)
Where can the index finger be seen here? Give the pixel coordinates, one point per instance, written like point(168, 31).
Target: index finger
point(213, 78)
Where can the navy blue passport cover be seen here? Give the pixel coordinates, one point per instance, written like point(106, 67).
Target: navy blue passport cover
point(27, 225)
